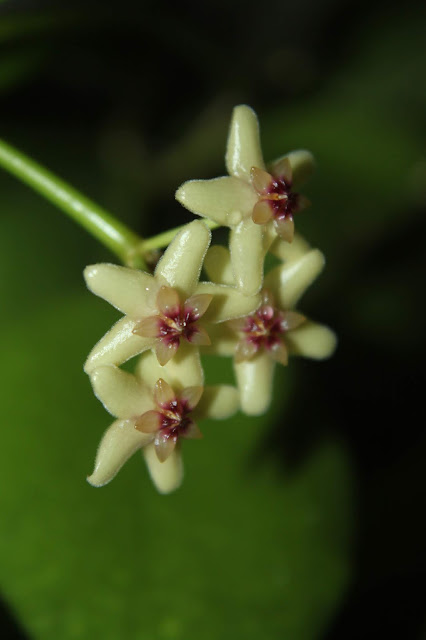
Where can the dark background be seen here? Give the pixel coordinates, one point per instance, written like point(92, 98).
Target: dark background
point(127, 101)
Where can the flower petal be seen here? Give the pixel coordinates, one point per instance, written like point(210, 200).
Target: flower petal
point(289, 281)
point(200, 337)
point(192, 432)
point(163, 394)
point(243, 149)
point(246, 248)
point(279, 353)
point(129, 290)
point(164, 446)
point(148, 369)
point(227, 302)
point(285, 228)
point(245, 350)
point(302, 165)
point(148, 327)
point(312, 340)
point(283, 170)
point(181, 263)
point(166, 476)
point(168, 302)
point(218, 402)
point(148, 422)
point(191, 396)
point(184, 370)
point(262, 212)
point(217, 264)
point(220, 199)
point(198, 304)
point(118, 345)
point(287, 251)
point(118, 444)
point(121, 393)
point(165, 351)
point(255, 383)
point(261, 180)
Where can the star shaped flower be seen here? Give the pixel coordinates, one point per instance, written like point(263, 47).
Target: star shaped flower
point(273, 331)
point(155, 413)
point(252, 200)
point(167, 309)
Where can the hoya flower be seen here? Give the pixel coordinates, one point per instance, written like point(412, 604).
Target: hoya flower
point(155, 413)
point(275, 330)
point(166, 309)
point(256, 202)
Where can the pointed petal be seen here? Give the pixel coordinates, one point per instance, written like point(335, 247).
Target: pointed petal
point(163, 394)
point(118, 444)
point(168, 302)
point(245, 350)
point(200, 337)
point(255, 383)
point(191, 396)
point(279, 353)
point(199, 304)
point(217, 264)
point(283, 170)
point(164, 446)
point(121, 393)
point(246, 248)
point(243, 149)
point(287, 251)
point(261, 181)
point(192, 432)
point(302, 165)
point(218, 402)
point(227, 302)
point(292, 320)
point(303, 202)
point(217, 199)
point(148, 327)
point(288, 282)
point(126, 289)
point(165, 351)
point(181, 264)
point(285, 228)
point(312, 340)
point(166, 476)
point(148, 422)
point(117, 346)
point(262, 212)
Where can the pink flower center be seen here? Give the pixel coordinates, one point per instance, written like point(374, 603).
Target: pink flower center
point(281, 199)
point(174, 418)
point(265, 328)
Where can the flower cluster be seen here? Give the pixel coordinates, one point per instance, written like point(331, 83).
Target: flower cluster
point(171, 318)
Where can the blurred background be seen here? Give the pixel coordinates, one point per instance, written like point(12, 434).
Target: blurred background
point(306, 523)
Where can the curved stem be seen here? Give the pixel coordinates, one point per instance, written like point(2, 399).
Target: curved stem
point(99, 223)
point(163, 239)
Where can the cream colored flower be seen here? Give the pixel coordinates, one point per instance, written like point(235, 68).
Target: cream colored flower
point(154, 413)
point(252, 201)
point(275, 330)
point(164, 310)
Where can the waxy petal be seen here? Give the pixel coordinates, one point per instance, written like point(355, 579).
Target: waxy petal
point(165, 350)
point(148, 422)
point(168, 302)
point(245, 350)
point(302, 166)
point(191, 396)
point(118, 444)
point(164, 446)
point(246, 248)
point(200, 338)
point(221, 199)
point(218, 402)
point(184, 370)
point(148, 327)
point(292, 320)
point(198, 304)
point(181, 263)
point(255, 383)
point(192, 432)
point(288, 282)
point(227, 302)
point(243, 150)
point(121, 393)
point(118, 345)
point(129, 290)
point(217, 264)
point(285, 228)
point(261, 181)
point(163, 394)
point(262, 212)
point(312, 340)
point(287, 251)
point(279, 353)
point(167, 476)
point(283, 170)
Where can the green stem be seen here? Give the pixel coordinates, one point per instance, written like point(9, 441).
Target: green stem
point(102, 225)
point(165, 238)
